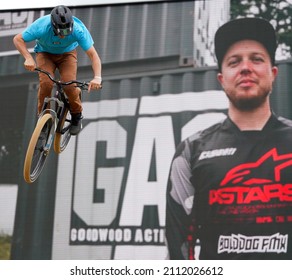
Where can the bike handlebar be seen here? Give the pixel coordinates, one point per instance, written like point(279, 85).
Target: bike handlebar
point(82, 85)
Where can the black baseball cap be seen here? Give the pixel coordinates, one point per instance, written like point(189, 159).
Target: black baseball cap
point(257, 29)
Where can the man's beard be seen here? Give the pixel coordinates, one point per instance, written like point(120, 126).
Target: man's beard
point(248, 103)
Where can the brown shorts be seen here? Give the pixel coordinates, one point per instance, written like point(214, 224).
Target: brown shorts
point(67, 65)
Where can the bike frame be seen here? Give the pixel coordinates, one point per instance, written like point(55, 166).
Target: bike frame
point(59, 100)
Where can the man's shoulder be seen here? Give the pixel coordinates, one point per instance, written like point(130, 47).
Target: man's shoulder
point(78, 23)
point(37, 29)
point(79, 29)
point(207, 131)
point(44, 20)
point(186, 145)
point(285, 121)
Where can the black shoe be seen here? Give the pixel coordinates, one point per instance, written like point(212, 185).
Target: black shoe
point(76, 124)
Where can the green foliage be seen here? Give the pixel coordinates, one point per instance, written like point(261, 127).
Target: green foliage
point(278, 12)
point(5, 245)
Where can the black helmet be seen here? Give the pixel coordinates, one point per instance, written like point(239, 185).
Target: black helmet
point(62, 20)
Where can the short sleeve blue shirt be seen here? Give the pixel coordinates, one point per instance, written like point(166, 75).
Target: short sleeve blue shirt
point(42, 32)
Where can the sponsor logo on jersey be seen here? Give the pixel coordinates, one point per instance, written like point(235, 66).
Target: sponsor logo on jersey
point(238, 243)
point(242, 184)
point(217, 153)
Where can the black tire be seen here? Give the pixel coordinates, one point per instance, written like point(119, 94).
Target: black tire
point(62, 136)
point(38, 148)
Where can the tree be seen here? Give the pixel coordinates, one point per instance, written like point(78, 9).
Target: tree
point(277, 12)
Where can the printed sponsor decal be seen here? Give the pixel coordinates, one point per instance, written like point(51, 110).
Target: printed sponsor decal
point(126, 235)
point(242, 185)
point(217, 153)
point(246, 173)
point(238, 243)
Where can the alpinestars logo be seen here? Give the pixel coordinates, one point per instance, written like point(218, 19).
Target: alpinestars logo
point(248, 186)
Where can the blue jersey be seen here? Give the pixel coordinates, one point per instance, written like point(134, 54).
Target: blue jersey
point(42, 32)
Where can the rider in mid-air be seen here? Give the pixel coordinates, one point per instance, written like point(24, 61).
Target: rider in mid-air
point(57, 36)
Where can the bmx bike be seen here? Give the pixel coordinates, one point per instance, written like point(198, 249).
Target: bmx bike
point(53, 126)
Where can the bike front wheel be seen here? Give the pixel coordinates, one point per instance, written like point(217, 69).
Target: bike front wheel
point(38, 148)
point(63, 135)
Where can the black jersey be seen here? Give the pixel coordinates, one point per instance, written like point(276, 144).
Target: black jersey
point(232, 190)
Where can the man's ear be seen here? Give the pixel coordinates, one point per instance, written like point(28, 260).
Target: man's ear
point(275, 71)
point(220, 78)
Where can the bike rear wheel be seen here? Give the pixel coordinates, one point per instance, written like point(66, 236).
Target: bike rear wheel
point(62, 136)
point(38, 148)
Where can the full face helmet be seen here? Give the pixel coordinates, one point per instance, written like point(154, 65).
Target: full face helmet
point(62, 20)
